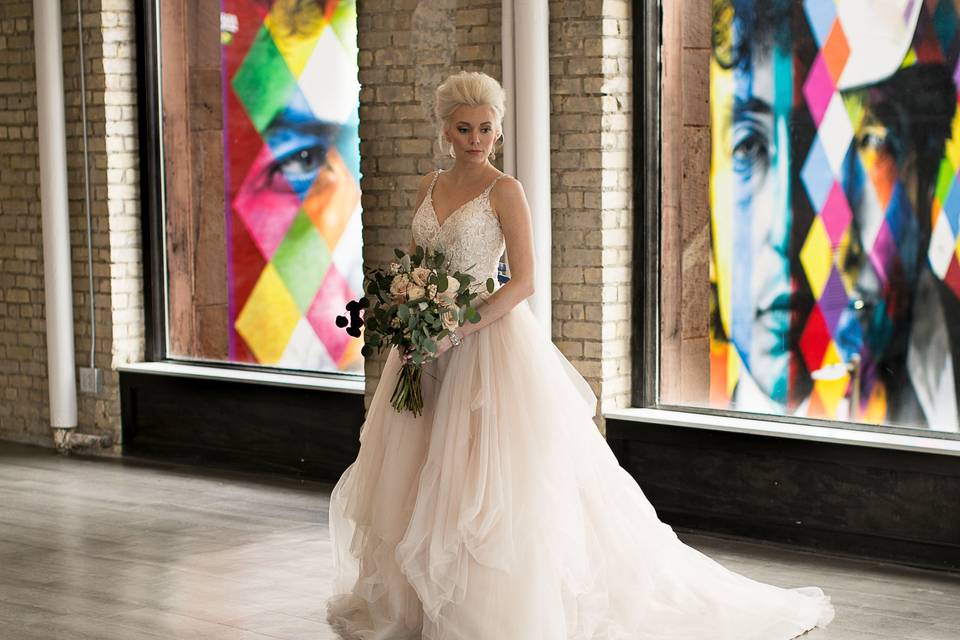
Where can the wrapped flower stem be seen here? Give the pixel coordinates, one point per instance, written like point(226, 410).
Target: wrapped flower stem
point(408, 392)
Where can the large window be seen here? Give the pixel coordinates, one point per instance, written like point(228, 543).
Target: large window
point(260, 200)
point(810, 229)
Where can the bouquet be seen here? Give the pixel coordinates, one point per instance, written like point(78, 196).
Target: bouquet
point(412, 304)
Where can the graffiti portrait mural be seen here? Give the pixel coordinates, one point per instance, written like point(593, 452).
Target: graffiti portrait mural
point(291, 150)
point(835, 210)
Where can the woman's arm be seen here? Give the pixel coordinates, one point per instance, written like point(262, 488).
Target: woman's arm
point(421, 194)
point(510, 204)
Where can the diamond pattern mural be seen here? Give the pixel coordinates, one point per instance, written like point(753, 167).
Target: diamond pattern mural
point(292, 180)
point(835, 166)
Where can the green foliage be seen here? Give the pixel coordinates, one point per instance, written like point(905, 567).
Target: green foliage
point(416, 326)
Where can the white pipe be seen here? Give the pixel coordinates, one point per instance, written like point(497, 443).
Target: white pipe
point(57, 281)
point(531, 108)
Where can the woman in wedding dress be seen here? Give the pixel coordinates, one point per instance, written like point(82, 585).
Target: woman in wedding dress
point(500, 513)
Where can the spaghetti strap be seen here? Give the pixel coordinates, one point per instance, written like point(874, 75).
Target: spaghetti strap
point(489, 188)
point(436, 174)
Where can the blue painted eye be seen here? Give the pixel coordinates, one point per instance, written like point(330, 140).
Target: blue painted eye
point(301, 166)
point(751, 150)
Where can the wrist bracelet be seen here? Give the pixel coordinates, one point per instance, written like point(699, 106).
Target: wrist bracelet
point(455, 340)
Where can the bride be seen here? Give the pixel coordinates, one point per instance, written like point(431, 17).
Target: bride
point(500, 513)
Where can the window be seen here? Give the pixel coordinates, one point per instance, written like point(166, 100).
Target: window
point(809, 239)
point(258, 205)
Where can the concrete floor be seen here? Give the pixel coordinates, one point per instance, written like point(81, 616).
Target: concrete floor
point(102, 549)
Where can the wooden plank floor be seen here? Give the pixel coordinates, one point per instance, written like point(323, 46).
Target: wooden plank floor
point(98, 549)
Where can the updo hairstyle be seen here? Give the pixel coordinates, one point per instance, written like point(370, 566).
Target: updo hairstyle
point(470, 88)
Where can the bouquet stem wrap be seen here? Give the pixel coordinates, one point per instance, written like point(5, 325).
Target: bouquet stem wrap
point(408, 393)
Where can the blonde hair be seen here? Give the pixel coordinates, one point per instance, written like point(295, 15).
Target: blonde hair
point(470, 88)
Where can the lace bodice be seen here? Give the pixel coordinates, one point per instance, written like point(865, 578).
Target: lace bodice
point(470, 237)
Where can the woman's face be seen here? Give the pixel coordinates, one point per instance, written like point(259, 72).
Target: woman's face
point(472, 132)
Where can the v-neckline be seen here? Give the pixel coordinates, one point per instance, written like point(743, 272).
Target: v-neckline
point(433, 206)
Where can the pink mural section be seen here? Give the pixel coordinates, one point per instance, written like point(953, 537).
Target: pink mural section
point(291, 181)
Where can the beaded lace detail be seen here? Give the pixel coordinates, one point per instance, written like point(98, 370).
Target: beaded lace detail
point(470, 237)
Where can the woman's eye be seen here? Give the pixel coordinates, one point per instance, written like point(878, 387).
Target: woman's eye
point(300, 167)
point(462, 130)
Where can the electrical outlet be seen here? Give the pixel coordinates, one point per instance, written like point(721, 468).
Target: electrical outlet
point(91, 380)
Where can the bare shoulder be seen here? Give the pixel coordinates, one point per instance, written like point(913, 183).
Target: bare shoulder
point(426, 179)
point(507, 194)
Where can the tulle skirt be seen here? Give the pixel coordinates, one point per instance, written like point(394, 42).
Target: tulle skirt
point(500, 513)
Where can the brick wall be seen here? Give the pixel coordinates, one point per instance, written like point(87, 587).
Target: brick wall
point(405, 53)
point(22, 358)
point(406, 48)
point(616, 216)
point(111, 112)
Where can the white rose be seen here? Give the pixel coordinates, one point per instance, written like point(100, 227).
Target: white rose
point(420, 276)
point(399, 288)
point(453, 285)
point(415, 291)
point(449, 319)
point(431, 291)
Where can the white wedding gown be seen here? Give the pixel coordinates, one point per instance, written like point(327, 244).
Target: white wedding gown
point(500, 513)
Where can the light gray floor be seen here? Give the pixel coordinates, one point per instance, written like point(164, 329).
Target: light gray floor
point(93, 549)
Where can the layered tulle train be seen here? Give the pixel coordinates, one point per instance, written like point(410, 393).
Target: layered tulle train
point(500, 513)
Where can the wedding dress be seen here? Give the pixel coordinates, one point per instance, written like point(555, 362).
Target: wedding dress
point(500, 513)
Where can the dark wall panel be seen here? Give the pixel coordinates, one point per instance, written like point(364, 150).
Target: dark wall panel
point(257, 427)
point(880, 503)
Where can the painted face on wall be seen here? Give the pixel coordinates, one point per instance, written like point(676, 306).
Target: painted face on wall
point(750, 210)
point(820, 194)
point(880, 248)
point(296, 248)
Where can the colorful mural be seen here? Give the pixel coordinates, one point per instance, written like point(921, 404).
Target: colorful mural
point(835, 209)
point(291, 101)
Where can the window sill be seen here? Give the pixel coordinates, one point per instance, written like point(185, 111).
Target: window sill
point(754, 426)
point(341, 383)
